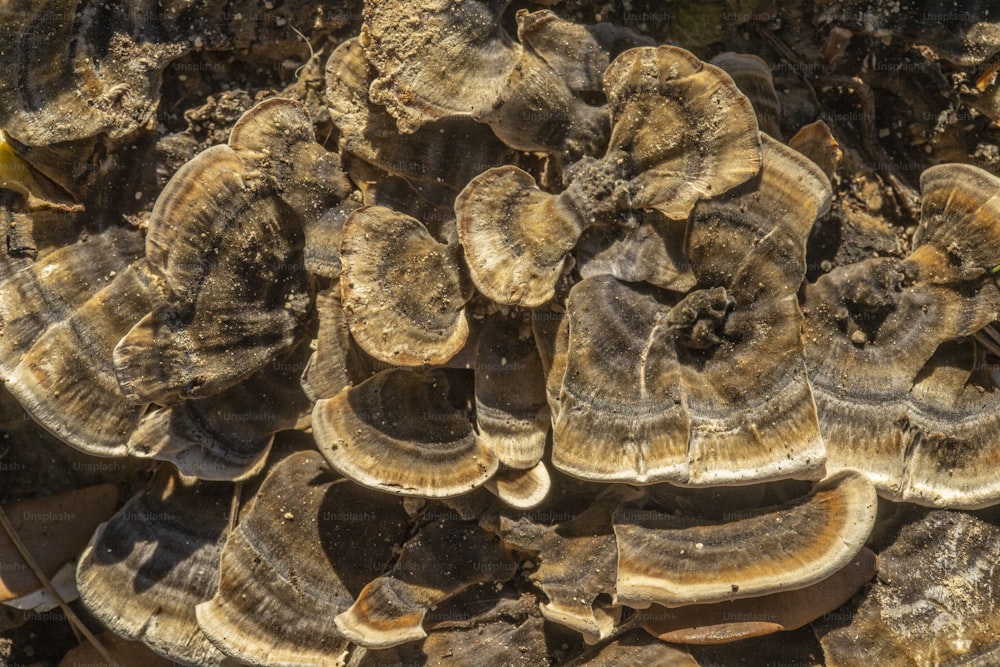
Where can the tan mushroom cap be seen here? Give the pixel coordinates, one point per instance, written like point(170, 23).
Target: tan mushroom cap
point(391, 609)
point(401, 432)
point(67, 381)
point(620, 415)
point(516, 237)
point(521, 489)
point(752, 411)
point(214, 330)
point(959, 223)
point(512, 415)
point(227, 436)
point(146, 569)
point(402, 290)
point(297, 559)
point(327, 371)
point(689, 131)
point(437, 160)
point(674, 561)
point(930, 603)
point(735, 620)
point(817, 143)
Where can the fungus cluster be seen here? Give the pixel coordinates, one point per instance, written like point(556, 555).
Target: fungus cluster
point(529, 343)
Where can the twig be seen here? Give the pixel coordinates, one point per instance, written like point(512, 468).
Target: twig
point(47, 585)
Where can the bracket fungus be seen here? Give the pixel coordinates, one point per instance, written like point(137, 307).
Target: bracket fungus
point(669, 147)
point(403, 293)
point(404, 432)
point(871, 332)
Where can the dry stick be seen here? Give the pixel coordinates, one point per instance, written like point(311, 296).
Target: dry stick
point(47, 585)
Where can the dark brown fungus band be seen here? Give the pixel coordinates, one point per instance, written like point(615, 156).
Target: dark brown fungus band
point(404, 432)
point(297, 559)
point(147, 568)
point(403, 292)
point(391, 609)
point(674, 560)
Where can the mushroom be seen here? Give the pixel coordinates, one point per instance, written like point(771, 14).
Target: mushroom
point(403, 293)
point(145, 570)
point(517, 238)
point(872, 328)
point(529, 93)
point(404, 432)
point(297, 559)
point(521, 489)
point(228, 435)
point(67, 382)
point(329, 369)
point(675, 560)
point(735, 620)
point(929, 604)
point(391, 609)
point(221, 215)
point(753, 77)
point(512, 415)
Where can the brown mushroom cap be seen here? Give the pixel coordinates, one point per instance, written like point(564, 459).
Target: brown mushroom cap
point(516, 237)
point(329, 369)
point(689, 131)
point(930, 603)
point(752, 75)
point(296, 560)
point(674, 561)
point(391, 609)
point(403, 432)
point(817, 143)
point(228, 435)
point(521, 489)
point(402, 290)
point(67, 382)
point(146, 569)
point(512, 415)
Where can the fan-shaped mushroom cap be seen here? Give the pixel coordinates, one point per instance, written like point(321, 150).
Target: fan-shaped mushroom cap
point(146, 569)
point(228, 435)
point(403, 432)
point(675, 561)
point(689, 131)
point(620, 415)
point(524, 93)
point(402, 290)
point(512, 415)
point(817, 143)
point(328, 370)
point(66, 381)
point(740, 350)
point(521, 489)
point(226, 235)
point(437, 159)
point(959, 223)
point(297, 559)
point(929, 604)
point(391, 609)
point(516, 237)
point(734, 620)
